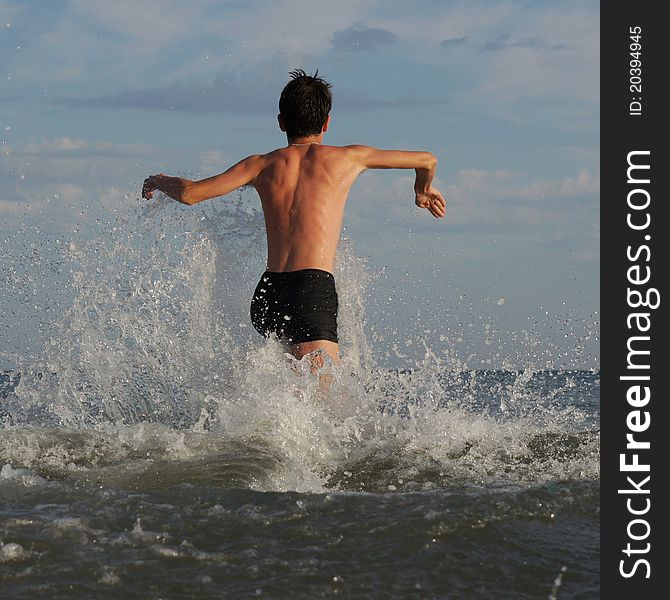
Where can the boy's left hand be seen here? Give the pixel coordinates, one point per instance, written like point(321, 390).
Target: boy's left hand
point(433, 201)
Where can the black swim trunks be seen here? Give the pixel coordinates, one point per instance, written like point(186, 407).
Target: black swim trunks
point(297, 306)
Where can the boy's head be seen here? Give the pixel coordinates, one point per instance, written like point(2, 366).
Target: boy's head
point(304, 104)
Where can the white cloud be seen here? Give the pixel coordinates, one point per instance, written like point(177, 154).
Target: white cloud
point(209, 55)
point(11, 208)
point(503, 184)
point(294, 27)
point(213, 162)
point(72, 146)
point(499, 198)
point(583, 184)
point(569, 72)
point(149, 26)
point(211, 35)
point(547, 52)
point(70, 193)
point(360, 38)
point(442, 21)
point(63, 207)
point(55, 145)
point(10, 10)
point(64, 171)
point(480, 198)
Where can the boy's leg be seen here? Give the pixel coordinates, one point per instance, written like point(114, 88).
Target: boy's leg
point(316, 360)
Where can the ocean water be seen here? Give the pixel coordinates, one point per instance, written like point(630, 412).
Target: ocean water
point(152, 446)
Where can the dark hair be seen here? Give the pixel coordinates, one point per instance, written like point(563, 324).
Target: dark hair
point(305, 103)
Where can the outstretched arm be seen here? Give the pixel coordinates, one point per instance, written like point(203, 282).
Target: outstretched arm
point(424, 163)
point(191, 192)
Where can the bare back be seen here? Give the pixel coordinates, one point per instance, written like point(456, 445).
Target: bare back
point(303, 191)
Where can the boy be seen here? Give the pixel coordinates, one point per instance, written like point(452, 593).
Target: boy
point(303, 189)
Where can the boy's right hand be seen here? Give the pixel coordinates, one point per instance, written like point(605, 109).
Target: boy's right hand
point(433, 201)
point(150, 185)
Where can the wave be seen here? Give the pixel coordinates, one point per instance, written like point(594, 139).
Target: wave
point(150, 375)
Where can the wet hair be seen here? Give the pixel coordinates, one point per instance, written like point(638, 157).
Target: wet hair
point(305, 103)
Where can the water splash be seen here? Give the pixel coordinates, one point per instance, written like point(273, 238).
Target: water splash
point(149, 365)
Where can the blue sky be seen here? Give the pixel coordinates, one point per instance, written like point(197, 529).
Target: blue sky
point(95, 95)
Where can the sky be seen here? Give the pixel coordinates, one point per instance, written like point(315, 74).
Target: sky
point(96, 95)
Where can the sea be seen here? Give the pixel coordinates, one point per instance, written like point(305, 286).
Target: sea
point(154, 446)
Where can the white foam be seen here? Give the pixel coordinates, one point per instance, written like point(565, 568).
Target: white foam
point(12, 551)
point(109, 577)
point(21, 476)
point(149, 374)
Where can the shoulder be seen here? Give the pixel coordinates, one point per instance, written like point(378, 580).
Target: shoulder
point(360, 155)
point(273, 153)
point(270, 157)
point(357, 152)
point(357, 149)
point(259, 162)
